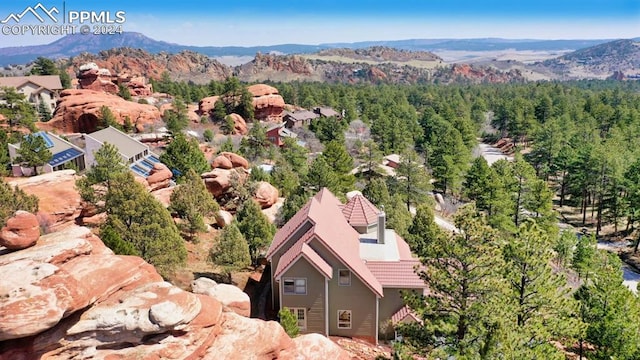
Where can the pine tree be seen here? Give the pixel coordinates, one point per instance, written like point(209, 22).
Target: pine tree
point(231, 251)
point(423, 228)
point(291, 205)
point(192, 202)
point(182, 154)
point(289, 322)
point(207, 135)
point(413, 179)
point(542, 308)
point(140, 220)
point(285, 179)
point(377, 192)
point(336, 154)
point(33, 152)
point(107, 118)
point(255, 227)
point(462, 272)
point(108, 164)
point(14, 199)
point(322, 175)
point(370, 158)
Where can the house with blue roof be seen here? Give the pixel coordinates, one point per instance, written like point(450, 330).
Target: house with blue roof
point(136, 155)
point(65, 156)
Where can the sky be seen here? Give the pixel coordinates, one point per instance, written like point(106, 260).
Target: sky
point(252, 22)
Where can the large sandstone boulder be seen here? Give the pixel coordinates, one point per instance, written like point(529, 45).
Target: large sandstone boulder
point(218, 181)
point(207, 104)
point(21, 231)
point(244, 338)
point(236, 160)
point(232, 298)
point(267, 103)
point(80, 111)
point(239, 125)
point(314, 346)
point(265, 194)
point(159, 177)
point(91, 77)
point(223, 218)
point(138, 87)
point(221, 162)
point(75, 299)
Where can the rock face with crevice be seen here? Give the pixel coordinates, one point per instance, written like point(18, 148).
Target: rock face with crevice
point(70, 297)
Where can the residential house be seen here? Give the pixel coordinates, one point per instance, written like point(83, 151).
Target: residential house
point(65, 155)
point(134, 154)
point(277, 133)
point(340, 270)
point(36, 88)
point(299, 118)
point(327, 112)
point(392, 161)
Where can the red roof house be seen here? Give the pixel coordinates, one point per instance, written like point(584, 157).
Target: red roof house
point(339, 270)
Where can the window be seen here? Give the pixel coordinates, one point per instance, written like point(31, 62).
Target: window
point(301, 315)
point(344, 277)
point(295, 286)
point(344, 319)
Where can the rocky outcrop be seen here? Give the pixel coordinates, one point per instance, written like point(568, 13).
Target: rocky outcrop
point(239, 125)
point(75, 299)
point(80, 111)
point(223, 218)
point(265, 194)
point(182, 66)
point(218, 181)
point(267, 102)
point(232, 298)
point(236, 160)
point(21, 231)
point(138, 86)
point(159, 177)
point(221, 162)
point(206, 105)
point(92, 77)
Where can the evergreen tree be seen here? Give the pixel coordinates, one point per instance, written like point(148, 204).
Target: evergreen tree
point(207, 135)
point(584, 255)
point(220, 111)
point(413, 179)
point(335, 154)
point(377, 192)
point(289, 322)
point(192, 202)
point(231, 251)
point(542, 309)
point(462, 273)
point(14, 199)
point(124, 92)
point(140, 220)
point(181, 155)
point(176, 118)
point(44, 66)
point(108, 164)
point(107, 118)
point(370, 158)
point(254, 145)
point(610, 312)
point(43, 111)
point(321, 175)
point(255, 227)
point(291, 205)
point(285, 179)
point(228, 126)
point(423, 229)
point(480, 184)
point(296, 156)
point(33, 152)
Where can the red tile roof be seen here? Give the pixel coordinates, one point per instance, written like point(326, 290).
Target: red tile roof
point(396, 274)
point(404, 251)
point(360, 212)
point(330, 228)
point(403, 315)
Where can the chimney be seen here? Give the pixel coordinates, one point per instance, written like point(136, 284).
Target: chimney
point(382, 223)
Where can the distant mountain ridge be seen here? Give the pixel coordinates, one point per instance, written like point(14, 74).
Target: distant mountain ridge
point(72, 45)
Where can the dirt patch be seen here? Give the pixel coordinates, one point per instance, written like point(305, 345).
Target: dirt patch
point(360, 349)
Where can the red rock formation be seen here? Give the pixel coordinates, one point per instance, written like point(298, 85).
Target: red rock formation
point(76, 299)
point(265, 194)
point(206, 105)
point(236, 160)
point(221, 162)
point(232, 298)
point(268, 104)
point(79, 111)
point(91, 77)
point(239, 125)
point(138, 86)
point(21, 231)
point(159, 177)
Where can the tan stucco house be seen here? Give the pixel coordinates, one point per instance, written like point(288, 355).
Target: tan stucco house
point(340, 271)
point(36, 88)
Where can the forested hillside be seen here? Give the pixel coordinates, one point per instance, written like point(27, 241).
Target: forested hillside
point(510, 284)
